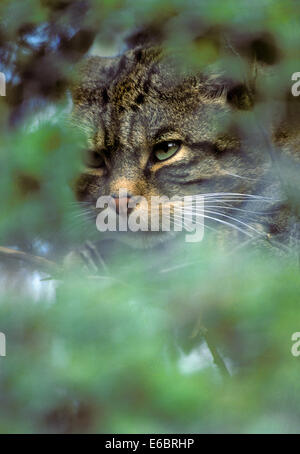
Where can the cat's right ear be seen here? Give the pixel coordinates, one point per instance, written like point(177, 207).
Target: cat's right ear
point(91, 78)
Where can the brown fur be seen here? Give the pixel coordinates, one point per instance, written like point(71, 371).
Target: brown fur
point(129, 103)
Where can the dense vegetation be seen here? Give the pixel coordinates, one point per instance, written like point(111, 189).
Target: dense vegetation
point(116, 352)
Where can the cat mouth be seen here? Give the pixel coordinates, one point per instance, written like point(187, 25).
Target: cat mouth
point(121, 228)
point(142, 227)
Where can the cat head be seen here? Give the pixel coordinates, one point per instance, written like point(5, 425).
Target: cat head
point(156, 129)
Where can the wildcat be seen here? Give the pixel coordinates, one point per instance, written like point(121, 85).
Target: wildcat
point(158, 128)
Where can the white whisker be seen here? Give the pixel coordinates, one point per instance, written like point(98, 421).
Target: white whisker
point(181, 218)
point(225, 200)
point(235, 209)
point(228, 224)
point(240, 176)
point(228, 217)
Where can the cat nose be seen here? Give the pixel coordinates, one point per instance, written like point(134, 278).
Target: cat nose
point(121, 204)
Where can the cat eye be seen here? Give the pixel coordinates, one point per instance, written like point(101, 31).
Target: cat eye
point(165, 150)
point(94, 159)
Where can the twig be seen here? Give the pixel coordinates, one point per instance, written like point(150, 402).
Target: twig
point(218, 360)
point(35, 261)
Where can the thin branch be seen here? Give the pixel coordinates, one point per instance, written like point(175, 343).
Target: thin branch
point(201, 330)
point(39, 263)
point(218, 360)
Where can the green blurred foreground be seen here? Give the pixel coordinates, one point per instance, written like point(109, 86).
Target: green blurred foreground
point(124, 351)
point(105, 357)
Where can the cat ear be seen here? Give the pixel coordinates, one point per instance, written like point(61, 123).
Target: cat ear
point(92, 77)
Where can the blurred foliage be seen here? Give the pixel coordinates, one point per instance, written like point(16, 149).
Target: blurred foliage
point(104, 356)
point(107, 354)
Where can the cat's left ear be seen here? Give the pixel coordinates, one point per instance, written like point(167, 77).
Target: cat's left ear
point(91, 79)
point(240, 95)
point(261, 53)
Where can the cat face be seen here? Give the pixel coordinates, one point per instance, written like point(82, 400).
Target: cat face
point(155, 130)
